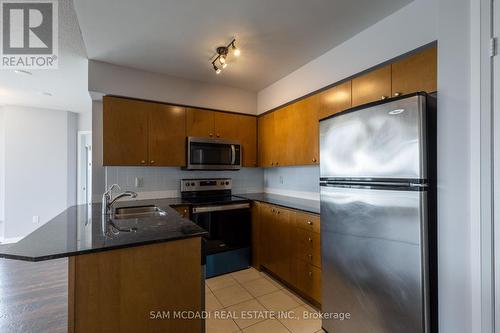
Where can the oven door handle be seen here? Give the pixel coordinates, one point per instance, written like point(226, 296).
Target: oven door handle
point(233, 154)
point(207, 209)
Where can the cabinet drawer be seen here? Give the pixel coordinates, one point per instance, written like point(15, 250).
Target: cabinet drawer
point(307, 221)
point(308, 279)
point(183, 211)
point(307, 246)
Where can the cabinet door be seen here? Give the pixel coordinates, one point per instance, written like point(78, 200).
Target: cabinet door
point(308, 279)
point(267, 234)
point(284, 135)
point(242, 128)
point(372, 86)
point(199, 123)
point(415, 73)
point(125, 131)
point(283, 243)
point(167, 136)
point(304, 128)
point(266, 143)
point(334, 100)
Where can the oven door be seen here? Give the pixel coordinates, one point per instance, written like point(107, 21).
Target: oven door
point(228, 226)
point(213, 154)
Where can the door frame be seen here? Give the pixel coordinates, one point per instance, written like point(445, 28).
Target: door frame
point(81, 194)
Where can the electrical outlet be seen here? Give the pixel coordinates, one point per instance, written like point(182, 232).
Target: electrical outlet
point(35, 219)
point(281, 180)
point(139, 182)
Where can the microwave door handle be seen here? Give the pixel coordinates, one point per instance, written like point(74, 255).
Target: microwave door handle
point(233, 154)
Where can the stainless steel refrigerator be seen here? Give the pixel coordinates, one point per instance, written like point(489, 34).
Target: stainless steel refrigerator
point(378, 217)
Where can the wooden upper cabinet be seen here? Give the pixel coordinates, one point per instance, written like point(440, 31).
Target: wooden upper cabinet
point(283, 150)
point(200, 123)
point(415, 73)
point(334, 100)
point(242, 128)
point(304, 127)
point(265, 140)
point(125, 131)
point(167, 136)
point(372, 86)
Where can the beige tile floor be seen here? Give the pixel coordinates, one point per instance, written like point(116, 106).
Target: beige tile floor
point(243, 301)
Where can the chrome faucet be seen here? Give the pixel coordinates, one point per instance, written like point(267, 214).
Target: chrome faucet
point(108, 201)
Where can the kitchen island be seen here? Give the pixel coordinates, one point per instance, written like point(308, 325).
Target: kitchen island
point(123, 272)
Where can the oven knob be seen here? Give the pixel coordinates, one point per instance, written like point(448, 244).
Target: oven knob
point(227, 183)
point(187, 184)
point(192, 184)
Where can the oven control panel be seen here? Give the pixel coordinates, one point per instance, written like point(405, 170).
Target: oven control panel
point(212, 184)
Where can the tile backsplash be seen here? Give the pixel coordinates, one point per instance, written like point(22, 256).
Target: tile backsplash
point(164, 182)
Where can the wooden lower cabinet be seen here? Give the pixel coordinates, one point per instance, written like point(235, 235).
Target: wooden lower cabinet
point(122, 290)
point(289, 247)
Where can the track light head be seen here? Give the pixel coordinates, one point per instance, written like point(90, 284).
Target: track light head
point(236, 51)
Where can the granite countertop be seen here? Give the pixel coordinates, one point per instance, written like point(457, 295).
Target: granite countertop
point(79, 230)
point(306, 205)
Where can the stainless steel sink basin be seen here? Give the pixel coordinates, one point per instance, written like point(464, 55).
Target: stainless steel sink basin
point(137, 212)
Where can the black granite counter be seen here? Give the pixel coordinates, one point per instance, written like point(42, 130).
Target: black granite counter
point(79, 230)
point(306, 205)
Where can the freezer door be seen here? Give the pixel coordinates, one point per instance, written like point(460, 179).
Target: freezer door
point(383, 141)
point(374, 259)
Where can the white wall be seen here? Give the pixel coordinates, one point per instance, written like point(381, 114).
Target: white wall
point(454, 167)
point(300, 181)
point(110, 79)
point(2, 171)
point(412, 26)
point(165, 182)
point(39, 154)
point(85, 121)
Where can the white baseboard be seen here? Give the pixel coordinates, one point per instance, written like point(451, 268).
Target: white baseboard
point(10, 240)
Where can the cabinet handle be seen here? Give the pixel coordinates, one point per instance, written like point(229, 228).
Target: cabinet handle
point(152, 162)
point(310, 240)
point(310, 274)
point(383, 97)
point(397, 94)
point(278, 212)
point(211, 134)
point(314, 159)
point(143, 162)
point(272, 210)
point(309, 222)
point(218, 135)
point(310, 256)
point(277, 163)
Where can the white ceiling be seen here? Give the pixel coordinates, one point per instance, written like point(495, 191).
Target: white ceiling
point(67, 84)
point(179, 37)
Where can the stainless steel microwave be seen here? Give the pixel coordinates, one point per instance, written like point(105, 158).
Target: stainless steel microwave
point(213, 154)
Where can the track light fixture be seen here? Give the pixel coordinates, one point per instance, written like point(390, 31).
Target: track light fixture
point(220, 60)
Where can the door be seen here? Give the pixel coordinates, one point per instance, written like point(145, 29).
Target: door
point(384, 141)
point(304, 125)
point(334, 100)
point(200, 123)
point(415, 73)
point(167, 136)
point(266, 143)
point(284, 134)
point(241, 128)
point(372, 259)
point(125, 131)
point(372, 86)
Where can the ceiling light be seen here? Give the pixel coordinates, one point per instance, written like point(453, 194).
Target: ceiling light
point(221, 56)
point(217, 69)
point(236, 51)
point(397, 111)
point(22, 72)
point(46, 93)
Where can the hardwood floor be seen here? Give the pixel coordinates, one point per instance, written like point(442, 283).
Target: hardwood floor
point(33, 296)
